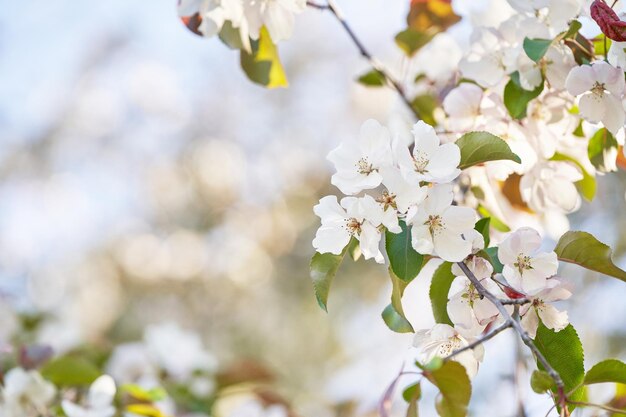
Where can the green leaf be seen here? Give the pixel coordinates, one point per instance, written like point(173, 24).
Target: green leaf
point(573, 29)
point(482, 227)
point(454, 387)
point(564, 353)
point(496, 223)
point(412, 395)
point(405, 262)
point(397, 290)
point(492, 257)
point(70, 371)
point(373, 78)
point(439, 289)
point(263, 66)
point(586, 186)
point(610, 370)
point(424, 107)
point(541, 381)
point(323, 269)
point(516, 98)
point(231, 36)
point(395, 321)
point(354, 249)
point(143, 394)
point(479, 147)
point(584, 249)
point(601, 144)
point(411, 41)
point(536, 48)
point(599, 44)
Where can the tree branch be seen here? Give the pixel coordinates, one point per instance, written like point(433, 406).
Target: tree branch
point(373, 61)
point(480, 341)
point(518, 328)
point(516, 301)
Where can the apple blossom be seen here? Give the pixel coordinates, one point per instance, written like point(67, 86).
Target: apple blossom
point(400, 193)
point(25, 393)
point(462, 105)
point(430, 161)
point(442, 340)
point(438, 226)
point(276, 15)
point(99, 400)
point(358, 162)
point(539, 309)
point(550, 186)
point(526, 269)
point(599, 87)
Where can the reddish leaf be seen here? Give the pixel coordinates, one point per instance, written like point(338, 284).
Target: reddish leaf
point(609, 22)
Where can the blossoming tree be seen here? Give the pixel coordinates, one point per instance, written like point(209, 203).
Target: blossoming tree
point(502, 147)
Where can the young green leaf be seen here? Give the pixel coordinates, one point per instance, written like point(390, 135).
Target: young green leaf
point(454, 387)
point(397, 291)
point(230, 36)
point(373, 78)
point(263, 66)
point(395, 321)
point(439, 289)
point(602, 146)
point(70, 371)
point(496, 223)
point(491, 254)
point(573, 29)
point(405, 262)
point(323, 269)
point(424, 107)
point(564, 353)
point(536, 48)
point(516, 98)
point(610, 370)
point(411, 41)
point(584, 249)
point(479, 147)
point(412, 395)
point(482, 227)
point(541, 381)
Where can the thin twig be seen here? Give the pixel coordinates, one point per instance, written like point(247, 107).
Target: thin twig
point(480, 341)
point(603, 407)
point(518, 328)
point(373, 61)
point(515, 301)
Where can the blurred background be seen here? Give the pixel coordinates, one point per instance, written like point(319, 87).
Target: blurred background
point(145, 180)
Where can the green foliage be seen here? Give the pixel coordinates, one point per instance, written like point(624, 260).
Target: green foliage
point(491, 254)
point(601, 44)
point(424, 107)
point(482, 227)
point(411, 41)
point(405, 262)
point(573, 29)
point(142, 394)
point(400, 323)
point(516, 98)
point(231, 36)
point(601, 142)
point(541, 381)
point(586, 186)
point(263, 65)
point(610, 370)
point(479, 147)
point(495, 222)
point(564, 353)
point(70, 371)
point(323, 269)
point(412, 395)
point(439, 289)
point(584, 249)
point(372, 78)
point(454, 387)
point(536, 48)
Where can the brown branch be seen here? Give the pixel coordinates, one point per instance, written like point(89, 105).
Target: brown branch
point(480, 340)
point(520, 331)
point(601, 406)
point(373, 61)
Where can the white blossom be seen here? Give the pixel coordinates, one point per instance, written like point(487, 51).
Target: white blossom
point(617, 54)
point(600, 87)
point(430, 161)
point(550, 186)
point(438, 226)
point(525, 269)
point(358, 162)
point(99, 400)
point(538, 308)
point(400, 193)
point(358, 217)
point(25, 394)
point(441, 341)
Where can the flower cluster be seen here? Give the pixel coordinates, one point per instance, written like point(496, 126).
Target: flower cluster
point(245, 16)
point(395, 181)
